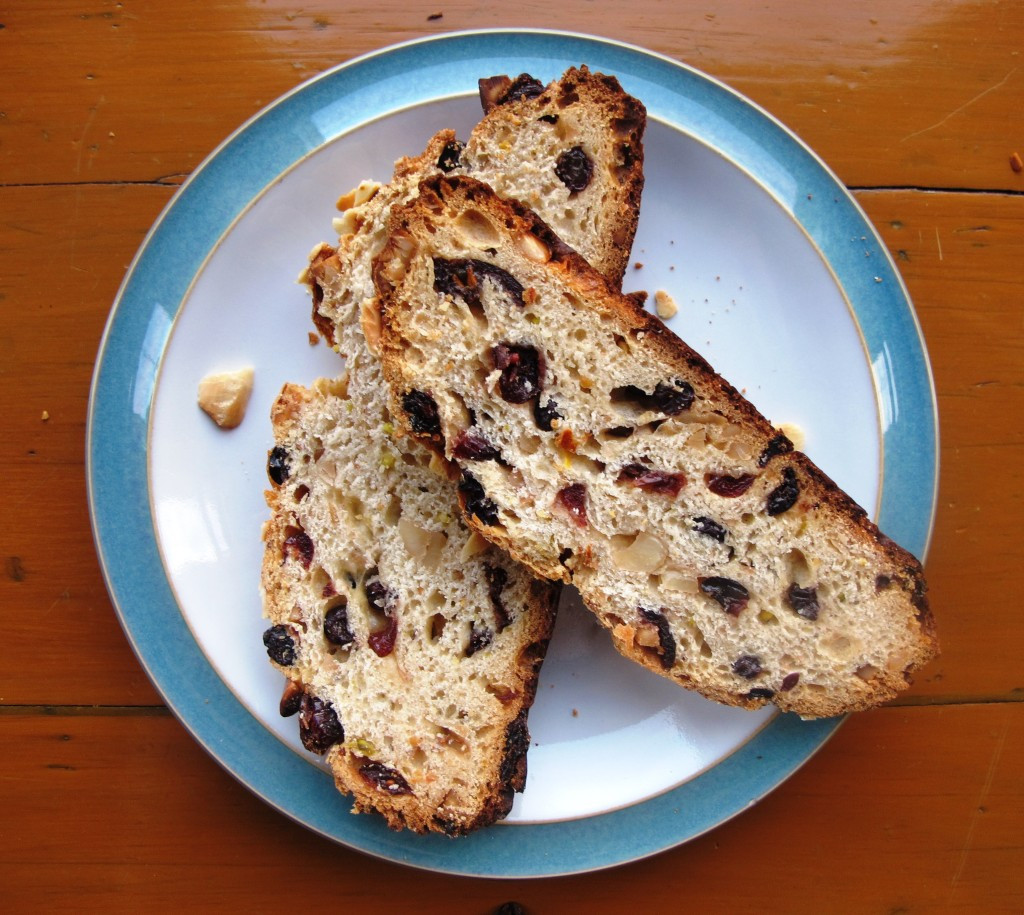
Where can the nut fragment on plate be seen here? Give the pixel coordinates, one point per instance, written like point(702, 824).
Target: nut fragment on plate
point(225, 395)
point(665, 304)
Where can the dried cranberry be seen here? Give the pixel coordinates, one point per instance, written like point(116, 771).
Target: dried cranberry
point(789, 681)
point(280, 645)
point(461, 278)
point(544, 416)
point(520, 366)
point(710, 528)
point(383, 641)
point(475, 500)
point(722, 484)
point(657, 481)
point(574, 499)
point(472, 446)
point(479, 638)
point(384, 778)
point(732, 596)
point(803, 601)
point(422, 411)
point(784, 496)
point(450, 155)
point(666, 643)
point(336, 628)
point(778, 445)
point(278, 466)
point(747, 666)
point(575, 169)
point(299, 546)
point(291, 699)
point(319, 727)
point(497, 578)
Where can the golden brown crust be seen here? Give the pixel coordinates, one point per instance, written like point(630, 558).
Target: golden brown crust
point(886, 579)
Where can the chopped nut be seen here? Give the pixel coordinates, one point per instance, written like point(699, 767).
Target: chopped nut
point(358, 195)
point(795, 434)
point(369, 321)
point(474, 546)
point(46, 416)
point(646, 553)
point(664, 304)
point(1016, 163)
point(423, 545)
point(224, 397)
point(532, 248)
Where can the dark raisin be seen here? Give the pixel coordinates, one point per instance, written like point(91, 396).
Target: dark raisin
point(380, 596)
point(475, 500)
point(278, 466)
point(722, 484)
point(574, 169)
point(673, 398)
point(731, 595)
point(784, 496)
point(472, 446)
point(523, 86)
point(882, 582)
point(336, 628)
point(710, 528)
point(778, 445)
point(298, 545)
point(450, 155)
point(573, 498)
point(544, 416)
point(461, 278)
point(789, 681)
point(280, 645)
point(760, 692)
point(422, 411)
point(657, 481)
point(565, 556)
point(291, 699)
point(670, 399)
point(747, 666)
point(520, 366)
point(803, 601)
point(479, 638)
point(666, 643)
point(384, 778)
point(497, 579)
point(517, 742)
point(319, 727)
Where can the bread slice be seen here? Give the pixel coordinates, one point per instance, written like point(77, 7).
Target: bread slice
point(411, 645)
point(599, 449)
point(366, 543)
point(572, 151)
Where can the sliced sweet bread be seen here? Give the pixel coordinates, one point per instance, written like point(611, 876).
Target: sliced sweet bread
point(597, 448)
point(572, 151)
point(410, 644)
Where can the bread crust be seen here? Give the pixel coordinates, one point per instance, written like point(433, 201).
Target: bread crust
point(850, 665)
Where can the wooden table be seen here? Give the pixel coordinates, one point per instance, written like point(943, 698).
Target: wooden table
point(107, 802)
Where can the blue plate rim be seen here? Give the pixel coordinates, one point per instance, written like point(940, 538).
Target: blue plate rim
point(136, 333)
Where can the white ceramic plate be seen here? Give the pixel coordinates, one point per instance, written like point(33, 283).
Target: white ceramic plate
point(782, 284)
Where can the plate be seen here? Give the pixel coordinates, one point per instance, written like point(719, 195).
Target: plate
point(781, 282)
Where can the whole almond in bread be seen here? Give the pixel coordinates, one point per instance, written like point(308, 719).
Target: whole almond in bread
point(597, 448)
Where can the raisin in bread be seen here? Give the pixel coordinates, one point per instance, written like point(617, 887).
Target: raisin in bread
point(597, 448)
point(410, 644)
point(572, 151)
